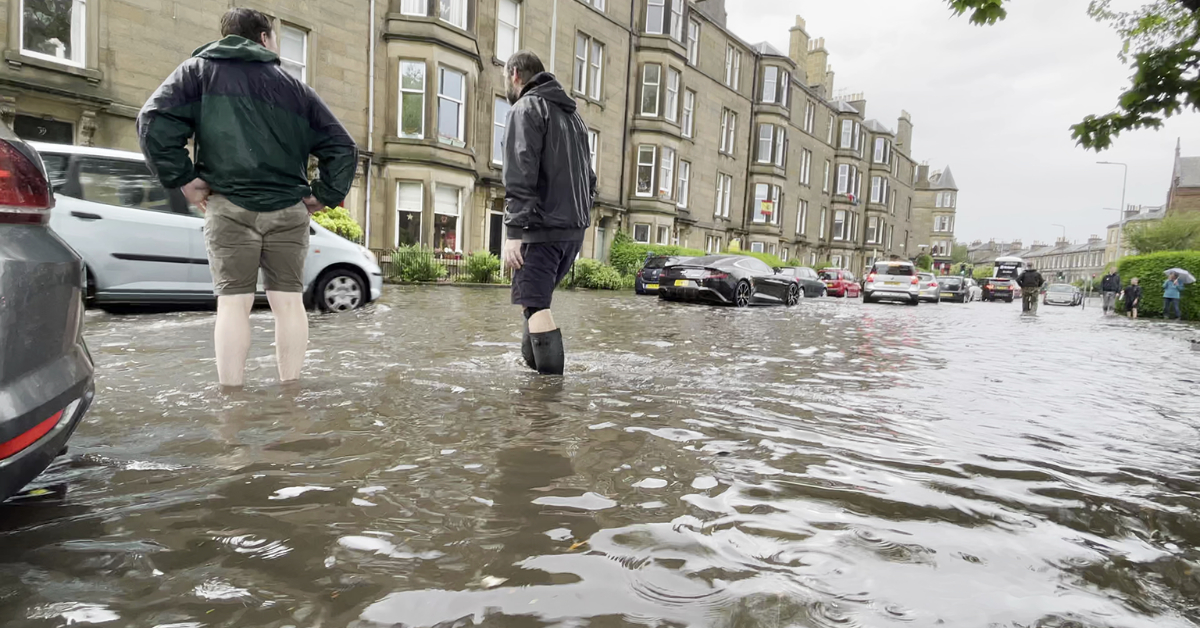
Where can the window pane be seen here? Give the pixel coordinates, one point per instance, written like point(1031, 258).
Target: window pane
point(651, 76)
point(414, 7)
point(122, 184)
point(500, 122)
point(770, 80)
point(655, 15)
point(645, 171)
point(597, 69)
point(452, 84)
point(677, 19)
point(412, 76)
point(54, 29)
point(672, 95)
point(292, 44)
point(409, 203)
point(581, 62)
point(411, 120)
point(455, 12)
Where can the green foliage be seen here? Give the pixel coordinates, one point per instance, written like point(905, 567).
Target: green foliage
point(1150, 270)
point(982, 272)
point(594, 275)
point(960, 254)
point(482, 267)
point(771, 260)
point(413, 264)
point(982, 11)
point(925, 262)
point(338, 220)
point(628, 257)
point(1177, 232)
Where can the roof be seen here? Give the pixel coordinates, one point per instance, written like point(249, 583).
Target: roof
point(1158, 214)
point(1189, 172)
point(943, 180)
point(844, 107)
point(767, 49)
point(71, 149)
point(875, 127)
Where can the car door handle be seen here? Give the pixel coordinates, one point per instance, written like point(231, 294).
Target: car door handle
point(86, 216)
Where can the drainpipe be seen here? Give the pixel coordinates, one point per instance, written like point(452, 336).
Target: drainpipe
point(370, 119)
point(626, 123)
point(554, 37)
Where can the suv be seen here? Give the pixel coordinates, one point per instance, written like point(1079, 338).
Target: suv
point(46, 371)
point(142, 243)
point(996, 288)
point(895, 281)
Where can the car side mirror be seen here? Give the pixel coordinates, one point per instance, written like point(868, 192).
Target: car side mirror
point(777, 270)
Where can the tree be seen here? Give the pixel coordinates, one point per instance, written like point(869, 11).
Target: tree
point(960, 254)
point(1160, 43)
point(924, 262)
point(1176, 232)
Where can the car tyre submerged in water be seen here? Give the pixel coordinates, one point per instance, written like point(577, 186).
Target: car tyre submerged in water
point(340, 290)
point(793, 295)
point(742, 294)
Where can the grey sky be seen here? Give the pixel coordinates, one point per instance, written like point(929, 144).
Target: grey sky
point(994, 103)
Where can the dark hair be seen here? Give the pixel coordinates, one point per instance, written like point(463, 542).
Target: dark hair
point(246, 23)
point(526, 64)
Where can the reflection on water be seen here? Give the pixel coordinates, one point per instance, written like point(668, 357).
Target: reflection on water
point(829, 465)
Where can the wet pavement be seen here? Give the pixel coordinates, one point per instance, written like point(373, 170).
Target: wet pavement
point(833, 464)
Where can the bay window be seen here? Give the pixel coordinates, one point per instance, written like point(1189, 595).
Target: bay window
point(447, 210)
point(880, 189)
point(672, 95)
point(414, 7)
point(656, 16)
point(883, 151)
point(666, 174)
point(872, 229)
point(776, 86)
point(757, 247)
point(412, 99)
point(645, 170)
point(651, 84)
point(677, 20)
point(453, 12)
point(641, 234)
point(780, 146)
point(766, 203)
point(847, 134)
point(664, 235)
point(55, 31)
point(452, 93)
point(766, 139)
point(410, 206)
point(839, 225)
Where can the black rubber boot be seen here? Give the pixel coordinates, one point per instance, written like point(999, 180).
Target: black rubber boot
point(527, 348)
point(548, 352)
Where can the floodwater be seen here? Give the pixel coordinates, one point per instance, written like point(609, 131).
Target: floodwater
point(833, 464)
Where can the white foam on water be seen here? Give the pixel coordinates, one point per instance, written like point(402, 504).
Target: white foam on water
point(296, 491)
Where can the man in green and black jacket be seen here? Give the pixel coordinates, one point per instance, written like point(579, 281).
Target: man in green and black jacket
point(254, 127)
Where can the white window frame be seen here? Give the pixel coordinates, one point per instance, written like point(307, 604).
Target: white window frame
point(646, 85)
point(79, 28)
point(766, 143)
point(872, 229)
point(502, 25)
point(693, 43)
point(462, 105)
point(676, 25)
point(810, 117)
point(806, 167)
point(594, 147)
point(284, 62)
point(499, 123)
point(802, 218)
point(674, 81)
point(880, 149)
point(844, 180)
point(724, 195)
point(422, 92)
point(824, 222)
point(420, 212)
point(415, 7)
point(595, 85)
point(598, 4)
point(733, 67)
point(770, 84)
point(780, 146)
point(659, 8)
point(664, 235)
point(684, 187)
point(458, 224)
point(666, 173)
point(828, 173)
point(728, 131)
point(653, 151)
point(891, 237)
point(839, 218)
point(457, 9)
point(648, 226)
point(757, 247)
point(876, 189)
point(579, 83)
point(847, 134)
point(688, 122)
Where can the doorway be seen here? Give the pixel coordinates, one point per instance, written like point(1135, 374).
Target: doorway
point(495, 233)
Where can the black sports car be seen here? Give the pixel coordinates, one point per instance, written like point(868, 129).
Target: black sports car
point(728, 280)
point(647, 277)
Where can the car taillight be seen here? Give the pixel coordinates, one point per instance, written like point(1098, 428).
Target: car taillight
point(916, 281)
point(871, 278)
point(715, 275)
point(24, 195)
point(640, 273)
point(933, 284)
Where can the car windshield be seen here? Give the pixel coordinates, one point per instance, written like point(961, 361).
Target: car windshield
point(829, 275)
point(657, 262)
point(950, 282)
point(1062, 288)
point(901, 270)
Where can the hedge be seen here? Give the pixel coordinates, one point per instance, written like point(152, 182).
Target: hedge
point(339, 221)
point(413, 264)
point(1150, 270)
point(628, 256)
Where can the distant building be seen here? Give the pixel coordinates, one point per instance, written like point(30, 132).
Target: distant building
point(1184, 195)
point(1068, 262)
point(1134, 215)
point(935, 205)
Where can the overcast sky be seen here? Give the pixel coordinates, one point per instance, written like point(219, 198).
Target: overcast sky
point(994, 103)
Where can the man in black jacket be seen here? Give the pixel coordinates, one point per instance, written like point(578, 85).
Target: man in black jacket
point(1031, 283)
point(549, 187)
point(1110, 286)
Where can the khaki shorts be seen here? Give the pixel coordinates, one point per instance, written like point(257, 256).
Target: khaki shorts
point(240, 242)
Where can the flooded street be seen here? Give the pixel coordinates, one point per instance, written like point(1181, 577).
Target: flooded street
point(832, 464)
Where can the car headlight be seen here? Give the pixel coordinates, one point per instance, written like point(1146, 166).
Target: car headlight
point(368, 254)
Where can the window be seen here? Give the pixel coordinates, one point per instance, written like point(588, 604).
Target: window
point(677, 20)
point(293, 51)
point(733, 67)
point(872, 229)
point(844, 179)
point(883, 151)
point(892, 203)
point(880, 189)
point(909, 213)
point(728, 131)
point(724, 195)
point(685, 182)
point(810, 117)
point(828, 167)
point(452, 94)
point(770, 83)
point(785, 255)
point(891, 240)
point(666, 175)
point(651, 82)
point(508, 28)
point(806, 167)
point(757, 247)
point(645, 170)
point(641, 234)
point(664, 235)
point(447, 207)
point(766, 203)
point(693, 43)
point(712, 244)
point(766, 140)
point(54, 31)
point(499, 121)
point(944, 224)
point(656, 16)
point(121, 183)
point(847, 134)
point(780, 146)
point(589, 66)
point(945, 199)
point(599, 4)
point(836, 261)
point(594, 147)
point(689, 110)
point(672, 95)
point(832, 122)
point(412, 99)
point(839, 225)
point(454, 12)
point(415, 7)
point(802, 218)
point(824, 222)
point(410, 203)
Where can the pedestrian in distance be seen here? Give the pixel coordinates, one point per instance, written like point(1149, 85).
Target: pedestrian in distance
point(1031, 283)
point(1172, 292)
point(1133, 297)
point(1110, 285)
point(254, 127)
point(549, 189)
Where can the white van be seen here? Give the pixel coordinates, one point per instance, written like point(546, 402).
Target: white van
point(143, 244)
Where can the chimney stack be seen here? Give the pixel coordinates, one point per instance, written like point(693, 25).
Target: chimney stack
point(818, 64)
point(923, 176)
point(904, 131)
point(799, 49)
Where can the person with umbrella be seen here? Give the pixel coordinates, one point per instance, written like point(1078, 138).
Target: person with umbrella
point(1177, 278)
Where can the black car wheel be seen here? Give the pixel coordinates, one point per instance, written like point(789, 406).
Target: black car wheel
point(793, 295)
point(743, 294)
point(340, 290)
point(914, 302)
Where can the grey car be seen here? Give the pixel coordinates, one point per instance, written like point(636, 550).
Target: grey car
point(46, 371)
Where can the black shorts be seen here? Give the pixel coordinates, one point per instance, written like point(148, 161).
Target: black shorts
point(546, 264)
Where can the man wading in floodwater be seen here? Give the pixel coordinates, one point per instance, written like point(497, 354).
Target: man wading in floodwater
point(1031, 283)
point(254, 127)
point(549, 187)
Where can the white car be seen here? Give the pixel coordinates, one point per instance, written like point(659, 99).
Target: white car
point(142, 243)
point(893, 281)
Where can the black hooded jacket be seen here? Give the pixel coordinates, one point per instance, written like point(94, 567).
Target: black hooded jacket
point(1031, 278)
point(1111, 283)
point(548, 179)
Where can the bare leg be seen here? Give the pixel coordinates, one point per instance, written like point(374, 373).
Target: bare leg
point(232, 338)
point(291, 333)
point(542, 322)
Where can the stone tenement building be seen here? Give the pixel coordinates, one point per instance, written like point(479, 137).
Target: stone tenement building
point(1184, 194)
point(936, 206)
point(698, 137)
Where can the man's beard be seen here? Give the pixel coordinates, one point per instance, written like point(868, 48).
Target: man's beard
point(513, 94)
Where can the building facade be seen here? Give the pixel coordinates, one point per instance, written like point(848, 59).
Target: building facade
point(1184, 194)
point(936, 209)
point(1117, 246)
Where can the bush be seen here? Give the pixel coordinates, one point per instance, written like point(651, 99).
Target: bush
point(413, 264)
point(628, 257)
point(594, 275)
point(982, 272)
point(1177, 232)
point(338, 220)
point(925, 262)
point(1150, 269)
point(482, 267)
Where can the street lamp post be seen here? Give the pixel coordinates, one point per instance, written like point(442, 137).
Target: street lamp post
point(1064, 228)
point(1124, 186)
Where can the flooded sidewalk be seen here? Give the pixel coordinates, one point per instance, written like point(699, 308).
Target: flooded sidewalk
point(832, 464)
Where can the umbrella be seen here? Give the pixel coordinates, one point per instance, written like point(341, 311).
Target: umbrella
point(1184, 275)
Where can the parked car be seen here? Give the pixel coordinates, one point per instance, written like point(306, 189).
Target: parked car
point(46, 372)
point(647, 278)
point(728, 280)
point(954, 289)
point(1063, 294)
point(997, 288)
point(811, 285)
point(893, 281)
point(975, 288)
point(840, 283)
point(142, 243)
point(929, 290)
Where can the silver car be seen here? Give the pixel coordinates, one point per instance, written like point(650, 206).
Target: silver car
point(46, 372)
point(142, 243)
point(893, 281)
point(1063, 294)
point(930, 291)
